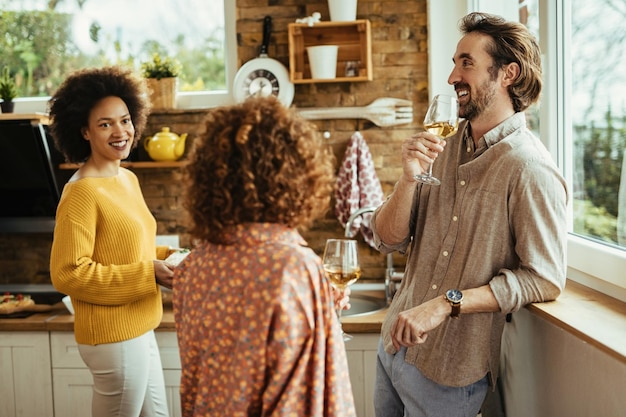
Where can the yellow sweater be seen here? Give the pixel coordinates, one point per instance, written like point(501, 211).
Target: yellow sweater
point(102, 253)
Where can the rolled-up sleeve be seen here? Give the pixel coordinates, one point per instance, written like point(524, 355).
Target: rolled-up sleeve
point(402, 244)
point(538, 209)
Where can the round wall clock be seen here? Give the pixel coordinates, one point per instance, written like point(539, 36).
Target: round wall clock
point(263, 76)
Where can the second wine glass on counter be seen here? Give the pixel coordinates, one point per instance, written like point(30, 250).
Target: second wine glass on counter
point(442, 120)
point(342, 268)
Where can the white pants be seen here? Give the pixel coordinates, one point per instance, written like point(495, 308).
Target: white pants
point(127, 378)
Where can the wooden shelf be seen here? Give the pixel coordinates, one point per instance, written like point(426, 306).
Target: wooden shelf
point(137, 165)
point(355, 45)
point(41, 118)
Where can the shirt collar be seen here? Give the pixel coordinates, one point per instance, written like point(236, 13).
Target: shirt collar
point(504, 129)
point(262, 232)
point(495, 135)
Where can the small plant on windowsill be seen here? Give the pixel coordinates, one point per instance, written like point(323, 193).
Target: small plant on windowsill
point(160, 68)
point(8, 91)
point(162, 78)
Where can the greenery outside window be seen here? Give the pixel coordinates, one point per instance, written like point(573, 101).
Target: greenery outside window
point(594, 118)
point(583, 119)
point(44, 40)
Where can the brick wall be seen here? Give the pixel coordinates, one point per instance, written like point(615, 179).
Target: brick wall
point(400, 61)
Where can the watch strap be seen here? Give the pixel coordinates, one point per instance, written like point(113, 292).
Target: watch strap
point(456, 310)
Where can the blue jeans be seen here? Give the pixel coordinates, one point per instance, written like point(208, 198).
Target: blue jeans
point(403, 391)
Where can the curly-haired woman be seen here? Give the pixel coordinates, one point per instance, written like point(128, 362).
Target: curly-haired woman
point(254, 315)
point(104, 254)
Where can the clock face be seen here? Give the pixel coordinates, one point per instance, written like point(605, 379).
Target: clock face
point(261, 83)
point(263, 77)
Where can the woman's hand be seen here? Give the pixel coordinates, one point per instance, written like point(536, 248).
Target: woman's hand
point(163, 274)
point(342, 298)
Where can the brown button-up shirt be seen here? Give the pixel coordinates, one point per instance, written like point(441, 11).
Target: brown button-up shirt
point(498, 218)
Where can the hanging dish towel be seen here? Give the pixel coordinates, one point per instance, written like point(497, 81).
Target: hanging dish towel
point(358, 187)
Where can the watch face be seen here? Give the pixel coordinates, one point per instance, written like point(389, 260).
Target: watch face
point(261, 83)
point(454, 296)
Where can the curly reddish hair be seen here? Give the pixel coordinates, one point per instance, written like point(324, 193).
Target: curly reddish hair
point(256, 162)
point(71, 104)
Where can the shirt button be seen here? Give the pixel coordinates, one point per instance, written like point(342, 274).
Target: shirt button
point(469, 149)
point(445, 253)
point(462, 182)
point(454, 218)
point(434, 287)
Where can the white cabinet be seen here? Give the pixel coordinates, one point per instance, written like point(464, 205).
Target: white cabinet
point(73, 381)
point(72, 392)
point(25, 382)
point(361, 353)
point(64, 383)
point(168, 346)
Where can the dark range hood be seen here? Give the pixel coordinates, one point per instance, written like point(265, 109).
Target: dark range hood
point(30, 181)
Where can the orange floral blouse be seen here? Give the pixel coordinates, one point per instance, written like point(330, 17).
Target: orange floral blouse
point(257, 332)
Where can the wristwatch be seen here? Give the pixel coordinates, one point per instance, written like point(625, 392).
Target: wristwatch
point(454, 297)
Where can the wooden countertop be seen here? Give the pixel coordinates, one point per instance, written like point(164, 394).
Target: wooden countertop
point(368, 323)
point(588, 314)
point(62, 320)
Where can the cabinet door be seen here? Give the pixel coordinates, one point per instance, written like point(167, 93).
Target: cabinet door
point(73, 382)
point(172, 387)
point(72, 392)
point(64, 351)
point(361, 353)
point(25, 358)
point(168, 346)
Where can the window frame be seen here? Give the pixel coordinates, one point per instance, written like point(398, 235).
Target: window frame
point(184, 100)
point(589, 263)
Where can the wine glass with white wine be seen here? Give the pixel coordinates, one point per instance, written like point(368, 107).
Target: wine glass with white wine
point(342, 268)
point(442, 120)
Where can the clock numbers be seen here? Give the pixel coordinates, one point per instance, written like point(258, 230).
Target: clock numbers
point(262, 83)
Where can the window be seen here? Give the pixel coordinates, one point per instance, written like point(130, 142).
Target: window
point(587, 113)
point(583, 122)
point(598, 119)
point(44, 40)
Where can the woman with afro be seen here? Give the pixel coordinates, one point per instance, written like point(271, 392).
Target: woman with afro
point(104, 254)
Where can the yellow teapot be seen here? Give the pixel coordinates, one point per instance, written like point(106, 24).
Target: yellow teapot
point(165, 145)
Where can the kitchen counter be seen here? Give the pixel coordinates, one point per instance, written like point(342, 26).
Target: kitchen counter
point(61, 320)
point(43, 347)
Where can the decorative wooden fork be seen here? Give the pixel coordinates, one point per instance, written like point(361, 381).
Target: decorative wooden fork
point(383, 112)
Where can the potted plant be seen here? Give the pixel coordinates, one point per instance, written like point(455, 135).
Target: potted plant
point(8, 91)
point(162, 78)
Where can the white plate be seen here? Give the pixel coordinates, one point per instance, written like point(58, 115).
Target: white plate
point(68, 304)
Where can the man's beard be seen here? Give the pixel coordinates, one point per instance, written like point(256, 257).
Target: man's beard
point(480, 99)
